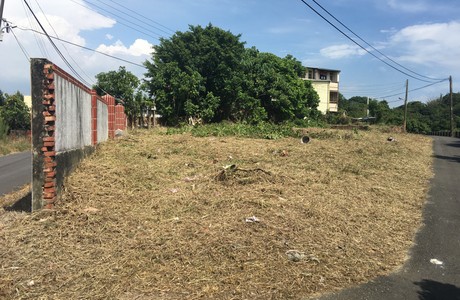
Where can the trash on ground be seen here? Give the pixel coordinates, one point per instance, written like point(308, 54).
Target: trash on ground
point(435, 261)
point(391, 139)
point(305, 139)
point(295, 255)
point(252, 219)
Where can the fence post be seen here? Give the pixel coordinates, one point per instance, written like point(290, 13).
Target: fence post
point(94, 117)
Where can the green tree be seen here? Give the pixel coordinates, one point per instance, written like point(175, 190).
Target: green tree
point(274, 84)
point(191, 74)
point(15, 113)
point(2, 98)
point(207, 73)
point(123, 85)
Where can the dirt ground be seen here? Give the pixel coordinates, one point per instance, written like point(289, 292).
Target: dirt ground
point(155, 216)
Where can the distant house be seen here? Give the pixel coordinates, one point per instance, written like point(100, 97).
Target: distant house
point(326, 84)
point(28, 101)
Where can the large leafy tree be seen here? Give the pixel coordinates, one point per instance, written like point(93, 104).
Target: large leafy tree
point(191, 71)
point(207, 73)
point(272, 88)
point(123, 85)
point(14, 112)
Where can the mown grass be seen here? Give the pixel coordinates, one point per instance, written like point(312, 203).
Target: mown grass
point(164, 216)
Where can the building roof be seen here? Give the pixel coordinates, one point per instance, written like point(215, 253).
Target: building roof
point(323, 69)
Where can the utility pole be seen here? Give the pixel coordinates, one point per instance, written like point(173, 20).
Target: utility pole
point(452, 134)
point(405, 106)
point(2, 4)
point(367, 112)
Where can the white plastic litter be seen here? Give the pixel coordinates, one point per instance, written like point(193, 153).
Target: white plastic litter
point(252, 219)
point(435, 261)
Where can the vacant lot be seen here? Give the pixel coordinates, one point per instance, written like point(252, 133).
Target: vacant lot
point(154, 216)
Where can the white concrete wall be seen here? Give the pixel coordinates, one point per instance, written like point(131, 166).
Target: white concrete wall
point(102, 122)
point(73, 115)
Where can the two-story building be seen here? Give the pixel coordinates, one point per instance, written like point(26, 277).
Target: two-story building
point(326, 84)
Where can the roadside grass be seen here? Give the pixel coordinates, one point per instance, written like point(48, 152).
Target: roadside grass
point(10, 145)
point(201, 213)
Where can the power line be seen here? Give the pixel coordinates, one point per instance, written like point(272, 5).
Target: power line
point(20, 45)
point(169, 31)
point(68, 53)
point(86, 48)
point(359, 45)
point(56, 48)
point(375, 49)
point(143, 31)
point(413, 90)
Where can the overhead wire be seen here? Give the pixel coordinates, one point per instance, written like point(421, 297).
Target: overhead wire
point(85, 48)
point(143, 30)
point(166, 30)
point(359, 45)
point(68, 53)
point(38, 40)
point(72, 69)
point(24, 51)
point(413, 90)
point(373, 48)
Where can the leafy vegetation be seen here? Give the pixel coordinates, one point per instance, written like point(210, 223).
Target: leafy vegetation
point(206, 73)
point(262, 130)
point(421, 117)
point(125, 87)
point(14, 113)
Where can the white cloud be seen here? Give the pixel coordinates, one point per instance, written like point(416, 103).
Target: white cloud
point(433, 45)
point(413, 6)
point(342, 51)
point(109, 37)
point(138, 48)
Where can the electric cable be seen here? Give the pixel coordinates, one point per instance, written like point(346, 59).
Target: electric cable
point(85, 48)
point(375, 49)
point(56, 48)
point(413, 90)
point(134, 17)
point(26, 54)
point(157, 37)
point(359, 45)
point(68, 53)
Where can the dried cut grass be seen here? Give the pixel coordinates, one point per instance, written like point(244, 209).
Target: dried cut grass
point(154, 216)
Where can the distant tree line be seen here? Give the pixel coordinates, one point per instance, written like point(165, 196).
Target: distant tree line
point(433, 115)
point(206, 73)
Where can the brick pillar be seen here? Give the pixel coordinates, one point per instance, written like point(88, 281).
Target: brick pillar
point(120, 117)
point(111, 114)
point(48, 138)
point(93, 117)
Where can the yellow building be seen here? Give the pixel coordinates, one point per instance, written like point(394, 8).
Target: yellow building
point(28, 101)
point(326, 84)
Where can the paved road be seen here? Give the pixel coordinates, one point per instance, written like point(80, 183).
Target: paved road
point(15, 171)
point(438, 239)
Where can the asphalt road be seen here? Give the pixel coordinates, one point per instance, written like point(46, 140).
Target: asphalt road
point(439, 238)
point(15, 171)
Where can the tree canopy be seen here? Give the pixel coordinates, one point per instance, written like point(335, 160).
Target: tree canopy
point(123, 85)
point(14, 112)
point(207, 73)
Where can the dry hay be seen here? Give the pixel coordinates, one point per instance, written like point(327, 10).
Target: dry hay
point(154, 216)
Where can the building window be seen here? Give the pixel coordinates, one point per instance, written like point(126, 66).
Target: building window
point(322, 76)
point(310, 74)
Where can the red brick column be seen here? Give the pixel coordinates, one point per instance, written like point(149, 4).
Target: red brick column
point(49, 142)
point(110, 101)
point(120, 117)
point(94, 117)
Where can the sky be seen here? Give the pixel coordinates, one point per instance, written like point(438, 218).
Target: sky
point(421, 36)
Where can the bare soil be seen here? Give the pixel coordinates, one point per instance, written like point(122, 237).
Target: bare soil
point(155, 216)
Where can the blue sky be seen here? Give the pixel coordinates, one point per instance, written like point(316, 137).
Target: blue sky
point(421, 35)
